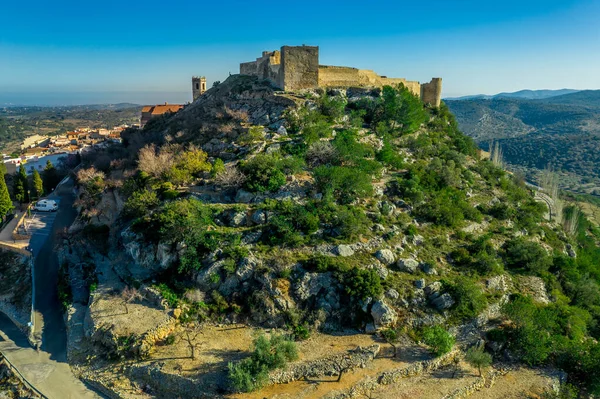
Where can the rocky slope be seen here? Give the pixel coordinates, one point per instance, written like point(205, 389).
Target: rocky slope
point(309, 213)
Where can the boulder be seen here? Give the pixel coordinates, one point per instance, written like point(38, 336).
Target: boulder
point(429, 269)
point(324, 285)
point(385, 256)
point(570, 251)
point(244, 196)
point(443, 301)
point(379, 228)
point(420, 283)
point(344, 250)
point(237, 219)
point(433, 288)
point(246, 267)
point(259, 217)
point(383, 314)
point(273, 148)
point(380, 269)
point(282, 131)
point(392, 294)
point(418, 239)
point(499, 283)
point(408, 265)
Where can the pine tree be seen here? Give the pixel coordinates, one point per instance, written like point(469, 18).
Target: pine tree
point(3, 170)
point(5, 201)
point(37, 185)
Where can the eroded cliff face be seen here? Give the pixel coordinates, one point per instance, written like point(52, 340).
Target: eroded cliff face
point(15, 287)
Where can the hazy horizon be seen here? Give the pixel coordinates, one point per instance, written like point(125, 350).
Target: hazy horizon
point(55, 99)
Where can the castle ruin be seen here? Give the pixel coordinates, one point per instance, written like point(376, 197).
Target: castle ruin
point(297, 67)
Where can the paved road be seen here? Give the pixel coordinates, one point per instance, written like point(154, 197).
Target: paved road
point(53, 378)
point(40, 225)
point(47, 369)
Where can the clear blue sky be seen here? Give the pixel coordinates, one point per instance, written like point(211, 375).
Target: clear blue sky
point(150, 49)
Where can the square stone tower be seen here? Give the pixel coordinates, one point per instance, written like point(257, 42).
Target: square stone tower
point(198, 87)
point(299, 67)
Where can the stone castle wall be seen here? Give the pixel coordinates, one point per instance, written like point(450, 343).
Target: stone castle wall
point(335, 76)
point(297, 68)
point(431, 93)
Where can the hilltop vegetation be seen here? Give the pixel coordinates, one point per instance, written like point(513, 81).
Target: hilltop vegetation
point(326, 210)
point(562, 131)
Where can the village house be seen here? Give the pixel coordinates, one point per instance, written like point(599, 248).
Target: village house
point(152, 111)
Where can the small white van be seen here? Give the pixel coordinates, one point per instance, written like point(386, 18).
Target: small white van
point(46, 206)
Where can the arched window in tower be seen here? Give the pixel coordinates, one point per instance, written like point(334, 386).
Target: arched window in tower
point(197, 86)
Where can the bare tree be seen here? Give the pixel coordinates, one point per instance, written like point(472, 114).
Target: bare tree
point(129, 295)
point(85, 176)
point(496, 155)
point(341, 365)
point(230, 177)
point(189, 335)
point(321, 153)
point(156, 162)
point(571, 220)
point(549, 183)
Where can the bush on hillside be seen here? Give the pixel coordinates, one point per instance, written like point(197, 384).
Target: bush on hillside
point(263, 173)
point(271, 353)
point(343, 183)
point(439, 340)
point(526, 255)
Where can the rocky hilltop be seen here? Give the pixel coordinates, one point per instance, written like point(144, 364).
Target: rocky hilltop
point(342, 218)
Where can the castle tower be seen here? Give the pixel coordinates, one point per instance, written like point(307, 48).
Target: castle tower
point(198, 87)
point(431, 93)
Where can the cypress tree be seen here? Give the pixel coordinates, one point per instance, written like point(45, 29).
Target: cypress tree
point(21, 186)
point(37, 185)
point(50, 177)
point(5, 201)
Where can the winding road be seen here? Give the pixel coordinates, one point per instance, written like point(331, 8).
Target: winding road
point(46, 369)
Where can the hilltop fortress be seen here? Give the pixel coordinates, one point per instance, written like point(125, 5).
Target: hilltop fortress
point(297, 67)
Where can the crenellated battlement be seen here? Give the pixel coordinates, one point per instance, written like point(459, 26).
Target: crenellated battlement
point(297, 68)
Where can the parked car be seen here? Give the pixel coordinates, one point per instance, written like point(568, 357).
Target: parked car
point(45, 206)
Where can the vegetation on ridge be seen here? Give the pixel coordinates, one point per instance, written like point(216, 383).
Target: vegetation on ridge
point(354, 174)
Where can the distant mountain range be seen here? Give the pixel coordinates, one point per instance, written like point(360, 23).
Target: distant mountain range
point(538, 128)
point(524, 94)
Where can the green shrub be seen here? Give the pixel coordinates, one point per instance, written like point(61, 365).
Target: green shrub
point(439, 340)
point(362, 283)
point(170, 340)
point(470, 301)
point(217, 167)
point(252, 373)
point(526, 255)
point(401, 110)
point(263, 173)
point(322, 264)
point(254, 133)
point(345, 184)
point(169, 295)
point(301, 332)
point(140, 203)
